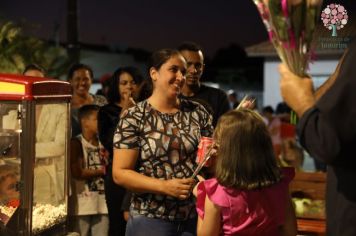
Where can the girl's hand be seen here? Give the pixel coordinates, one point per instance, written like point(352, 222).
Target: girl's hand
point(179, 188)
point(195, 189)
point(248, 104)
point(212, 161)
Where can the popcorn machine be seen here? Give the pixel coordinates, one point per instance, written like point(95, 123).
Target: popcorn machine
point(34, 139)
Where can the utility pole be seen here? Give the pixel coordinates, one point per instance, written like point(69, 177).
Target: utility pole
point(73, 46)
point(56, 37)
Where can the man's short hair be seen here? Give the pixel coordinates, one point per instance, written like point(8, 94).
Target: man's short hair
point(268, 109)
point(190, 46)
point(79, 66)
point(86, 110)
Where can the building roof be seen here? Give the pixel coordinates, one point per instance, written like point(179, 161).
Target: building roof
point(326, 45)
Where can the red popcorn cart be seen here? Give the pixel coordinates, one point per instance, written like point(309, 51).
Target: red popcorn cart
point(34, 154)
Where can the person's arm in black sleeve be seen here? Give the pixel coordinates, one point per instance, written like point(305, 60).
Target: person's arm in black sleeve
point(125, 206)
point(106, 128)
point(328, 130)
point(224, 105)
point(327, 117)
point(317, 136)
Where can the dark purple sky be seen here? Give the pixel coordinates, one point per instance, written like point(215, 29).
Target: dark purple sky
point(149, 24)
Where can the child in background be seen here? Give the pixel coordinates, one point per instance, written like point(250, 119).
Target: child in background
point(249, 194)
point(9, 193)
point(9, 177)
point(292, 154)
point(88, 170)
point(274, 128)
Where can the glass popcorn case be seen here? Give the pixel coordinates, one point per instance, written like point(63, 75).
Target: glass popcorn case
point(34, 139)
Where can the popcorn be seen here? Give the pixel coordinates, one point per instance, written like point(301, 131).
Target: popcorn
point(6, 212)
point(45, 215)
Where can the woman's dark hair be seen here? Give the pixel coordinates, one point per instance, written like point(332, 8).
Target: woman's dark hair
point(246, 158)
point(113, 92)
point(146, 90)
point(34, 67)
point(79, 66)
point(158, 58)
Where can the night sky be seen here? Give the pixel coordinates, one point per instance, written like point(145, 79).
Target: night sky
point(148, 24)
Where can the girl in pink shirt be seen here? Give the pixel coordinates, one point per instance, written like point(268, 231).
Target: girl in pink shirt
point(249, 195)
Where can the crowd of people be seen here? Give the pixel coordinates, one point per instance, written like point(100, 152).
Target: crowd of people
point(133, 151)
point(149, 133)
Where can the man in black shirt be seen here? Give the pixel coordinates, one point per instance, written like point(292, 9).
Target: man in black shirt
point(213, 99)
point(326, 129)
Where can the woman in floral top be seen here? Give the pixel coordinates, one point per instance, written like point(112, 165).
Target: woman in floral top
point(154, 152)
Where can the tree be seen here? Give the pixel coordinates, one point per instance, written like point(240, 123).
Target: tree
point(232, 56)
point(17, 51)
point(232, 67)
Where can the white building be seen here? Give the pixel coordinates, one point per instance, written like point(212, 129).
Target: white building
point(328, 52)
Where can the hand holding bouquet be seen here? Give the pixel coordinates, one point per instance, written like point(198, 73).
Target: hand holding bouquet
point(290, 25)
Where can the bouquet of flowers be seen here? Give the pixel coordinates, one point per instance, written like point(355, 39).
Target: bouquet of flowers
point(290, 25)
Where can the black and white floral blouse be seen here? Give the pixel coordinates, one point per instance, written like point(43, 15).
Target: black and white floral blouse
point(167, 145)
